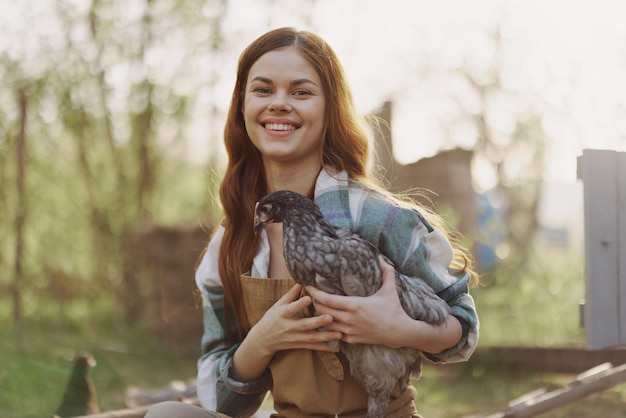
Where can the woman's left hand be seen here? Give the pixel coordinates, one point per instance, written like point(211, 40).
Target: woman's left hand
point(376, 319)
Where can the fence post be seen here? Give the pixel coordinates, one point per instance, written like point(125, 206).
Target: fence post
point(603, 174)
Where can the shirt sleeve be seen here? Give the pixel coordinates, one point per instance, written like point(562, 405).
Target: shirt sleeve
point(217, 391)
point(421, 251)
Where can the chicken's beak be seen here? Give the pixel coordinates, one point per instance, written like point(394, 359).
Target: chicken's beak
point(258, 225)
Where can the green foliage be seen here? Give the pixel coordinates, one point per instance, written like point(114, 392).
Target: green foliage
point(536, 307)
point(106, 126)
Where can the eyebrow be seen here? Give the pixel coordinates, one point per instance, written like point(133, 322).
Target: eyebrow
point(296, 82)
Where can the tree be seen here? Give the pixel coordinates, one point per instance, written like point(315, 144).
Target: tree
point(518, 179)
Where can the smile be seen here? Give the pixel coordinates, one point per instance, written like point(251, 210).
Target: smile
point(279, 127)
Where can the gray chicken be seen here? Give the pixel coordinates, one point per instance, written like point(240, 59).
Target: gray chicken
point(80, 395)
point(338, 261)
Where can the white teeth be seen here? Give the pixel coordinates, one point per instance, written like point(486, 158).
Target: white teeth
point(280, 127)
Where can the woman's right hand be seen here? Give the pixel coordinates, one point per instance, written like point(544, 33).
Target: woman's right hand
point(282, 328)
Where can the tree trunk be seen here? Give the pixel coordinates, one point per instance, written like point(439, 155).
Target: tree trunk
point(20, 212)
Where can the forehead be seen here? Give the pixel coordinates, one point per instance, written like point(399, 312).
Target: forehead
point(283, 64)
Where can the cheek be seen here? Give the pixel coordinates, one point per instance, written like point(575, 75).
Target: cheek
point(251, 108)
point(322, 122)
point(246, 113)
point(321, 114)
point(244, 106)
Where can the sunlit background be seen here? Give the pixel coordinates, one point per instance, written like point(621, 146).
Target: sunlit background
point(119, 108)
point(562, 61)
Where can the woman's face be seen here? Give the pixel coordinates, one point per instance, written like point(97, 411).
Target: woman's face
point(284, 108)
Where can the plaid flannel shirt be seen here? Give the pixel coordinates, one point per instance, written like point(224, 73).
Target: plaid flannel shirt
point(401, 234)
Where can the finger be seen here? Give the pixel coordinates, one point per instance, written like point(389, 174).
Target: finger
point(320, 336)
point(314, 338)
point(314, 322)
point(385, 267)
point(338, 327)
point(342, 321)
point(291, 295)
point(294, 308)
point(388, 274)
point(327, 299)
point(314, 292)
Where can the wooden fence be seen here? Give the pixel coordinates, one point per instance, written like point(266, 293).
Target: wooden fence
point(603, 174)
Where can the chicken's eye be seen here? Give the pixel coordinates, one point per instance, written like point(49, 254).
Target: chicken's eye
point(266, 209)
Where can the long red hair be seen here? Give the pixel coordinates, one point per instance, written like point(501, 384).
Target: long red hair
point(346, 147)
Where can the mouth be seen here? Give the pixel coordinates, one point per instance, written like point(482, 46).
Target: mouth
point(280, 127)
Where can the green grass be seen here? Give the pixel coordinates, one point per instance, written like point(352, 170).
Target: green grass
point(37, 365)
point(473, 390)
point(539, 308)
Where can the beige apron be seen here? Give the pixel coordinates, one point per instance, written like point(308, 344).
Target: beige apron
point(310, 383)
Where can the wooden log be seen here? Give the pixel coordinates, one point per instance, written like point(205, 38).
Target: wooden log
point(137, 412)
point(122, 413)
point(598, 379)
point(175, 391)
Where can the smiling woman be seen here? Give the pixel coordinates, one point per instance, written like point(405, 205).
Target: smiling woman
point(292, 126)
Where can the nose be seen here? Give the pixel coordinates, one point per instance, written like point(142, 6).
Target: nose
point(279, 104)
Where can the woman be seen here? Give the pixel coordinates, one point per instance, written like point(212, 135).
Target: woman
point(292, 125)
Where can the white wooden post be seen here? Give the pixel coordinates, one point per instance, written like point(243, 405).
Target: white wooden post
point(603, 174)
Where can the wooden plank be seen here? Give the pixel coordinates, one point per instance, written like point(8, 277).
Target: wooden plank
point(621, 190)
point(593, 381)
point(569, 360)
point(524, 399)
point(599, 172)
point(137, 412)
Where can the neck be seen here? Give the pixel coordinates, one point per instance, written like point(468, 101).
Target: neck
point(298, 179)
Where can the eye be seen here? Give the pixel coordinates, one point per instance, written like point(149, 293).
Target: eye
point(302, 93)
point(262, 91)
point(267, 209)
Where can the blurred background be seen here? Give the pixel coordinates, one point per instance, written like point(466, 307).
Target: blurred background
point(111, 120)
